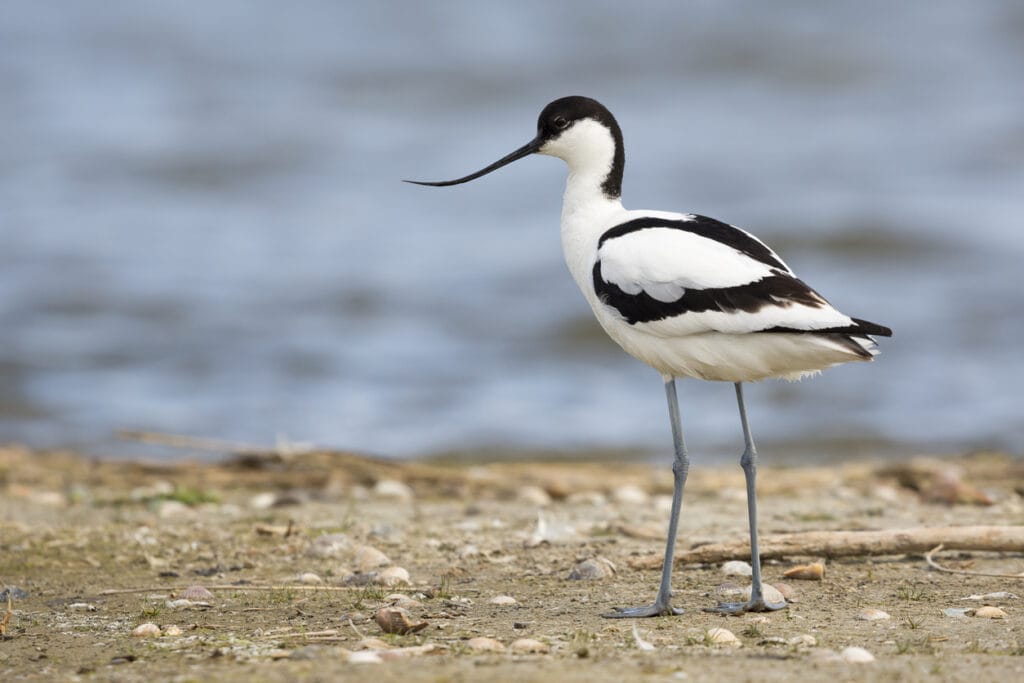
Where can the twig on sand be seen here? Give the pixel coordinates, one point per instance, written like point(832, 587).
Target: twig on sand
point(853, 543)
point(929, 557)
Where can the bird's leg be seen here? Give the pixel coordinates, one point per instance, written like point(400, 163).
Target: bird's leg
point(749, 464)
point(680, 467)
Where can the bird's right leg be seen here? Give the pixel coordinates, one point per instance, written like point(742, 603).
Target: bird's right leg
point(680, 467)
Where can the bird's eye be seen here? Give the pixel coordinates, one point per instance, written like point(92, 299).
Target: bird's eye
point(561, 122)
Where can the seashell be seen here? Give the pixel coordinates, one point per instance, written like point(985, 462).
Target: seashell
point(147, 630)
point(481, 644)
point(173, 630)
point(195, 593)
point(856, 655)
point(872, 614)
point(310, 578)
point(594, 568)
point(392, 576)
point(989, 612)
point(392, 489)
point(397, 620)
point(722, 636)
point(529, 646)
point(503, 600)
point(807, 572)
point(533, 495)
point(366, 557)
point(788, 591)
point(737, 568)
point(629, 494)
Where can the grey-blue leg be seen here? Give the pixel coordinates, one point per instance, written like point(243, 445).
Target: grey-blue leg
point(680, 467)
point(749, 463)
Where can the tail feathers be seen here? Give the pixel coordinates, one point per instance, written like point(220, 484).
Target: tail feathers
point(865, 327)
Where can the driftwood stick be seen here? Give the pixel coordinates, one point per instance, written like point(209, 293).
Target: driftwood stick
point(929, 557)
point(247, 587)
point(853, 543)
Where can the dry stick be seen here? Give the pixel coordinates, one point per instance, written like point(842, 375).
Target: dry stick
point(935, 565)
point(854, 543)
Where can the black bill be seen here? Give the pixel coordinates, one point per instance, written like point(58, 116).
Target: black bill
point(529, 148)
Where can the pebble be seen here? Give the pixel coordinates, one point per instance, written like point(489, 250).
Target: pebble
point(594, 498)
point(804, 639)
point(147, 630)
point(594, 568)
point(737, 568)
point(173, 630)
point(722, 636)
point(372, 644)
point(529, 646)
point(171, 509)
point(263, 501)
point(872, 614)
point(186, 604)
point(364, 657)
point(392, 489)
point(13, 592)
point(956, 612)
point(309, 578)
point(807, 572)
point(366, 557)
point(630, 494)
point(82, 607)
point(534, 495)
point(393, 576)
point(195, 593)
point(989, 612)
point(397, 620)
point(481, 644)
point(403, 600)
point(856, 655)
point(503, 600)
point(999, 595)
point(328, 545)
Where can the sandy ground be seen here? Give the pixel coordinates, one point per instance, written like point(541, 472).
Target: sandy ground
point(72, 528)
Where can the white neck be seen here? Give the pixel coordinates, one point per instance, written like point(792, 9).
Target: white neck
point(586, 213)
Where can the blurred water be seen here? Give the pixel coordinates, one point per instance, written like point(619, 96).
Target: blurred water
point(202, 229)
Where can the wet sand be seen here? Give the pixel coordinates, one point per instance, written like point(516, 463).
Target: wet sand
point(466, 533)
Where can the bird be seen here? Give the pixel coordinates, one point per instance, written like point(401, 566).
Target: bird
point(688, 295)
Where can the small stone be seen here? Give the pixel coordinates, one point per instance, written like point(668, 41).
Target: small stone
point(82, 607)
point(366, 557)
point(503, 600)
point(172, 509)
point(397, 620)
point(392, 489)
point(195, 593)
point(856, 655)
point(481, 644)
point(803, 640)
point(364, 657)
point(263, 501)
point(594, 568)
point(529, 646)
point(989, 612)
point(737, 568)
point(807, 572)
point(182, 603)
point(372, 644)
point(403, 600)
point(999, 595)
point(328, 545)
point(467, 551)
point(630, 494)
point(147, 630)
point(730, 591)
point(393, 576)
point(872, 614)
point(310, 579)
point(173, 630)
point(534, 495)
point(722, 636)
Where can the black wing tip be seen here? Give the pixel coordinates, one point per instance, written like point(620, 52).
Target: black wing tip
point(866, 327)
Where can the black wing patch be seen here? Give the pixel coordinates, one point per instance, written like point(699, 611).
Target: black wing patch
point(708, 228)
point(778, 289)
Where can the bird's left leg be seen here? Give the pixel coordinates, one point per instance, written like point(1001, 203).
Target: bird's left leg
point(748, 462)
